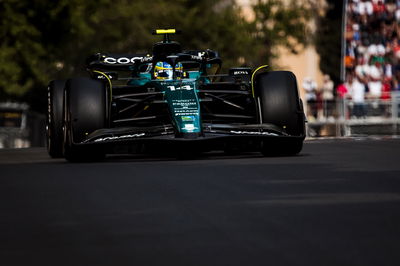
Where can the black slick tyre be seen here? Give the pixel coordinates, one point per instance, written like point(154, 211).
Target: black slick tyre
point(280, 105)
point(84, 112)
point(54, 121)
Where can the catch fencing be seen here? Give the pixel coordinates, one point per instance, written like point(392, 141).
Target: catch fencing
point(343, 117)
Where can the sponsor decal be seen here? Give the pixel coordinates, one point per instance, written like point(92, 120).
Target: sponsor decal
point(49, 104)
point(147, 59)
point(240, 72)
point(195, 57)
point(120, 137)
point(253, 133)
point(185, 87)
point(100, 77)
point(189, 127)
point(188, 118)
point(126, 60)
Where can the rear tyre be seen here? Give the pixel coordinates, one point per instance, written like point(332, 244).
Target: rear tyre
point(84, 112)
point(54, 132)
point(280, 105)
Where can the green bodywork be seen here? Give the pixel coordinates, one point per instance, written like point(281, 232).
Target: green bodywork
point(183, 103)
point(181, 96)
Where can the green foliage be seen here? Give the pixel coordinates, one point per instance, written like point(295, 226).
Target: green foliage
point(43, 40)
point(283, 23)
point(19, 49)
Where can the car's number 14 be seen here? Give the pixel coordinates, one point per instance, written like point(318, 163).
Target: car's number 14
point(185, 87)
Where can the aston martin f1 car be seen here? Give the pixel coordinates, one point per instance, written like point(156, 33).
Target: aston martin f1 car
point(172, 100)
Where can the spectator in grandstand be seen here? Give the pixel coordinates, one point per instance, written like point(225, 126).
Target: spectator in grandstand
point(391, 6)
point(372, 52)
point(319, 105)
point(310, 89)
point(378, 55)
point(327, 97)
point(388, 69)
point(386, 89)
point(362, 70)
point(395, 47)
point(396, 81)
point(375, 80)
point(356, 33)
point(379, 9)
point(386, 96)
point(364, 8)
point(357, 95)
point(362, 50)
point(342, 91)
point(398, 12)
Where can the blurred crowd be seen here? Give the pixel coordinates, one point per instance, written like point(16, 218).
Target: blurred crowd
point(372, 58)
point(320, 100)
point(372, 61)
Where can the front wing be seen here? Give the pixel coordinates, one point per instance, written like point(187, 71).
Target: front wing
point(214, 137)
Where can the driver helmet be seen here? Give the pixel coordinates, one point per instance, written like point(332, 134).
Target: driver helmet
point(163, 70)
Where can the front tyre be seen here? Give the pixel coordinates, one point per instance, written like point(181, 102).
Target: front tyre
point(280, 105)
point(85, 111)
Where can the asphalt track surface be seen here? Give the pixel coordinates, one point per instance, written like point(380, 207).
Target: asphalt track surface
point(338, 203)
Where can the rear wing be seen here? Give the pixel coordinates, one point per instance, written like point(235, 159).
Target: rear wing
point(117, 61)
point(162, 51)
point(130, 61)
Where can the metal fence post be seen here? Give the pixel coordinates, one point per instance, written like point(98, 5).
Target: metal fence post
point(347, 129)
point(395, 110)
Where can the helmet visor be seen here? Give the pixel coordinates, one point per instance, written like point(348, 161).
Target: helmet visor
point(163, 70)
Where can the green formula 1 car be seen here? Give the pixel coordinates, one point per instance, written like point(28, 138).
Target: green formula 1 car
point(172, 100)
